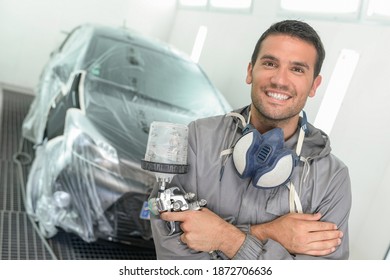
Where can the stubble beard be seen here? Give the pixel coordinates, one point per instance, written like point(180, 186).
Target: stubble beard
point(272, 116)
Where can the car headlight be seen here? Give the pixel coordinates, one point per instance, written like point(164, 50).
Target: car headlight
point(108, 151)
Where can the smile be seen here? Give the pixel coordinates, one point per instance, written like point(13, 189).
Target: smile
point(278, 96)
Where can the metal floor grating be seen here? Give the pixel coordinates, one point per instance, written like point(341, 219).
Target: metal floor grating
point(19, 240)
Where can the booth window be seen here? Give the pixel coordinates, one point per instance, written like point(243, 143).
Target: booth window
point(367, 11)
point(378, 10)
point(346, 9)
point(218, 5)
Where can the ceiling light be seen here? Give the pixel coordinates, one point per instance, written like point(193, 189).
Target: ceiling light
point(336, 90)
point(199, 42)
point(321, 6)
point(231, 4)
point(194, 3)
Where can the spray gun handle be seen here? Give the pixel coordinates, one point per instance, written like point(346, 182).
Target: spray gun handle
point(172, 199)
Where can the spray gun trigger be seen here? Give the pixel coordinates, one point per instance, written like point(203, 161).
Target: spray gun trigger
point(173, 227)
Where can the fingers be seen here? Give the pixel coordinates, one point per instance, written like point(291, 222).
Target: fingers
point(321, 252)
point(325, 235)
point(321, 226)
point(181, 216)
point(323, 248)
point(318, 247)
point(307, 217)
point(318, 243)
point(314, 222)
point(174, 216)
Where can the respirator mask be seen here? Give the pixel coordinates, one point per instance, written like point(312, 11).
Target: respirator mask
point(264, 158)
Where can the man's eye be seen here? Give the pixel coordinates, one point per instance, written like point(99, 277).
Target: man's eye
point(298, 69)
point(269, 64)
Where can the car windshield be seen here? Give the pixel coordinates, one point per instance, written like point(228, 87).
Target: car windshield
point(155, 75)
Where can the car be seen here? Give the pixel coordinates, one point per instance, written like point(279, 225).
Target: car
point(89, 123)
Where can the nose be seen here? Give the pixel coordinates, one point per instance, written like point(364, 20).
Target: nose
point(280, 77)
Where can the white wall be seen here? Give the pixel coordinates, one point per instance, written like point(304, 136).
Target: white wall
point(29, 30)
point(361, 136)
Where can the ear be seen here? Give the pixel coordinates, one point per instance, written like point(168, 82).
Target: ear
point(249, 74)
point(316, 83)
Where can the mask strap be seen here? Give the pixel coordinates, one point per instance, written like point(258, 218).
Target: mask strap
point(294, 197)
point(301, 137)
point(302, 133)
point(240, 117)
point(229, 151)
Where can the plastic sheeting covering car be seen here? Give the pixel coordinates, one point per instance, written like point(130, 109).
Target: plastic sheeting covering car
point(89, 121)
point(80, 190)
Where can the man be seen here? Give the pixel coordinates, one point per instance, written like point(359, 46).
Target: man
point(302, 214)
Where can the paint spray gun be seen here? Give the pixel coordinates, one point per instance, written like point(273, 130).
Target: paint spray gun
point(166, 156)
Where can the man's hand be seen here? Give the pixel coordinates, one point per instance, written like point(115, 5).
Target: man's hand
point(203, 230)
point(301, 234)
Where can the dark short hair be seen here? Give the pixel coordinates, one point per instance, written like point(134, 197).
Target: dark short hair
point(298, 29)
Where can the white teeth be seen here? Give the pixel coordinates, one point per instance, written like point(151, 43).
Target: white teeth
point(278, 96)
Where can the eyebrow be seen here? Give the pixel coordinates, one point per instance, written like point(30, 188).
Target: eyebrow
point(296, 63)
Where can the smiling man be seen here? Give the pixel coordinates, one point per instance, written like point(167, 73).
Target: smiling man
point(282, 79)
point(273, 188)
